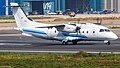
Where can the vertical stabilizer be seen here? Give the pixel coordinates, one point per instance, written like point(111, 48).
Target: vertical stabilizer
point(19, 15)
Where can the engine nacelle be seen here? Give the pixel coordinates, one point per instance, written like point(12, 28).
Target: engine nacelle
point(70, 28)
point(52, 32)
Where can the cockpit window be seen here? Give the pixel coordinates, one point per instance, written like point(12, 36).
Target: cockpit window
point(104, 30)
point(101, 30)
point(107, 30)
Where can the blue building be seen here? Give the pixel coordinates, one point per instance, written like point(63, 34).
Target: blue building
point(2, 8)
point(45, 6)
point(97, 5)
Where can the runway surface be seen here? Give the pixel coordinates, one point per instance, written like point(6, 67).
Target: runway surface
point(13, 41)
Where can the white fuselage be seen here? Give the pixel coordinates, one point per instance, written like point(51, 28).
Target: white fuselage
point(87, 32)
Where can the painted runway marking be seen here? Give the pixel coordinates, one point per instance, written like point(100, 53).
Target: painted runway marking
point(27, 51)
point(11, 35)
point(15, 44)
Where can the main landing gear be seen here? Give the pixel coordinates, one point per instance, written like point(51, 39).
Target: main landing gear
point(74, 42)
point(66, 42)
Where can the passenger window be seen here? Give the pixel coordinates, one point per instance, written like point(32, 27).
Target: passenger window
point(83, 31)
point(87, 31)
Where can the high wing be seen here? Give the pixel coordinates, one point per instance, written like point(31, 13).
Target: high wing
point(58, 27)
point(63, 27)
point(50, 26)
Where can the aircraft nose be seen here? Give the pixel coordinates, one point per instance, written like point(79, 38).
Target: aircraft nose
point(114, 36)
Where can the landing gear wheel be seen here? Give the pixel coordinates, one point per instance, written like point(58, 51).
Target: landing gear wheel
point(74, 42)
point(108, 43)
point(64, 42)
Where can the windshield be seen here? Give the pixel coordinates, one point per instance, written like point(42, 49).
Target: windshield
point(104, 30)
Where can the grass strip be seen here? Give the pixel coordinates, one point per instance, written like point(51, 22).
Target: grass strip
point(49, 60)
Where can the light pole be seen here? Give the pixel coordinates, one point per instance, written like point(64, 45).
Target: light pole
point(58, 5)
point(7, 8)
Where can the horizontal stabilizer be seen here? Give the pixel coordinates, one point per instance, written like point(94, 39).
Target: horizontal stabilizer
point(14, 4)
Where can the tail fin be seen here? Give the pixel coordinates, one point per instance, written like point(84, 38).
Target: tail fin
point(19, 15)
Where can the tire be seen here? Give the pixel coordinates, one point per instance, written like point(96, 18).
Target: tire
point(108, 43)
point(65, 43)
point(74, 42)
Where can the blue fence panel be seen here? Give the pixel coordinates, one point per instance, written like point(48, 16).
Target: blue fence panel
point(2, 7)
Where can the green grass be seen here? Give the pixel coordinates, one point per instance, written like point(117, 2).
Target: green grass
point(79, 60)
point(12, 17)
point(115, 27)
point(6, 17)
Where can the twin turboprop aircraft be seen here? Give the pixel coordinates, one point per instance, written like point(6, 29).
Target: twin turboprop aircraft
point(62, 32)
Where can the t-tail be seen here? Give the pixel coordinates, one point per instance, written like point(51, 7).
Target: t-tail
point(19, 15)
point(21, 18)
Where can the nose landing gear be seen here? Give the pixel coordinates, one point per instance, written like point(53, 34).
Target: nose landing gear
point(107, 42)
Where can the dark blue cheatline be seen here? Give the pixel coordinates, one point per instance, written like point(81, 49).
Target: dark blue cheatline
point(74, 35)
point(34, 31)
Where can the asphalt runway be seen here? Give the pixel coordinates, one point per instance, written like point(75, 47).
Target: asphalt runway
point(18, 43)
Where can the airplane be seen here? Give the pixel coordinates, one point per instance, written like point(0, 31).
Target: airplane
point(61, 32)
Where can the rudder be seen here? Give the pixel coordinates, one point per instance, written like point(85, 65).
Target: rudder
point(19, 15)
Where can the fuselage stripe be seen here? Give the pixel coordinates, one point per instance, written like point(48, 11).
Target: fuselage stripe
point(74, 35)
point(34, 31)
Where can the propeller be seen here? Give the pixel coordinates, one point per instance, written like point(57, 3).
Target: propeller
point(77, 29)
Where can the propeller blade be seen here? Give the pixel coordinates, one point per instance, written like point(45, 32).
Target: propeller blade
point(77, 29)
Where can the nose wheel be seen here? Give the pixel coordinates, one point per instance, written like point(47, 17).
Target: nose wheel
point(107, 42)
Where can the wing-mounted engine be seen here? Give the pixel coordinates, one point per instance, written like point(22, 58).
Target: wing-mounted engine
point(52, 32)
point(71, 28)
